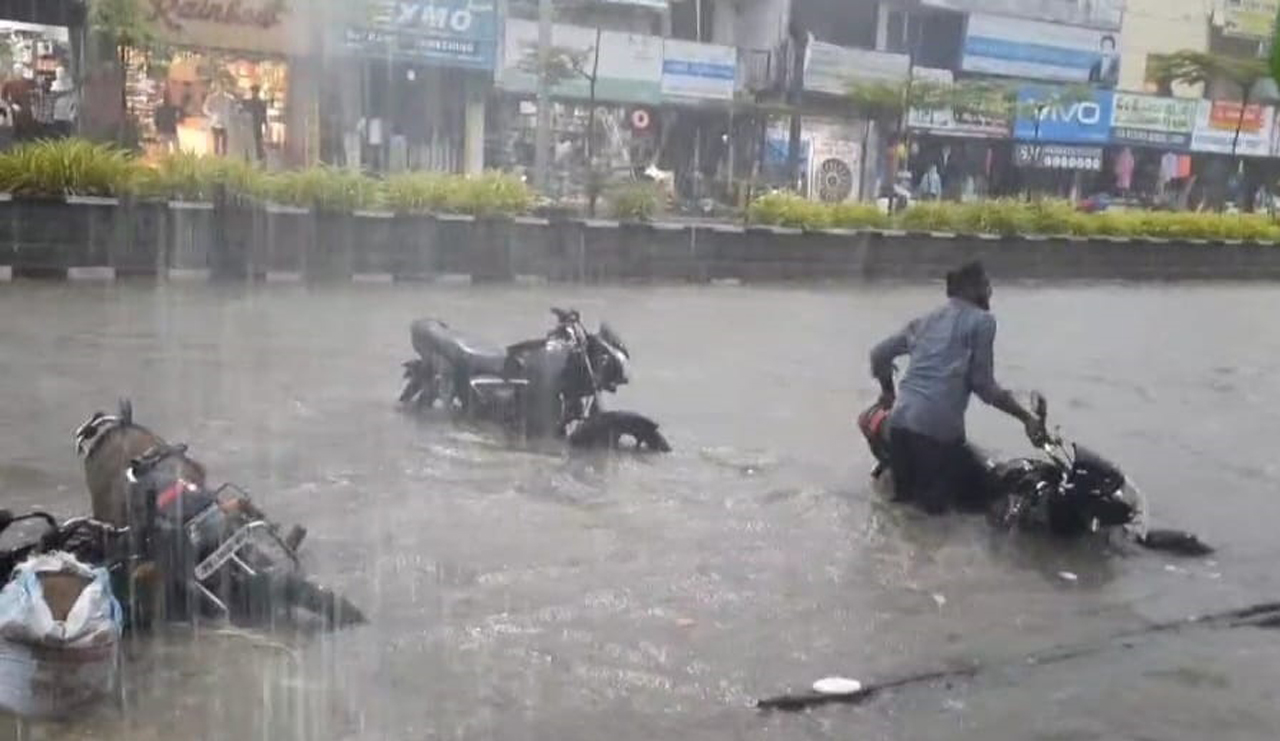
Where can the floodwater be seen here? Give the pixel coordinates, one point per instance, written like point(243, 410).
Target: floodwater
point(523, 594)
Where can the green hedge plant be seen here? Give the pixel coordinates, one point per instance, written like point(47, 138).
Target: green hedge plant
point(67, 167)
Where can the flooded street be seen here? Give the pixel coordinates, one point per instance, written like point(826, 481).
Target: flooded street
point(523, 594)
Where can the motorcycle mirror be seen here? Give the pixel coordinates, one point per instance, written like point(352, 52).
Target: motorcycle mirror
point(1039, 406)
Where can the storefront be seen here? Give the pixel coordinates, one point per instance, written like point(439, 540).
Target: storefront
point(37, 82)
point(1060, 141)
point(969, 149)
point(626, 127)
point(829, 71)
point(221, 82)
point(409, 84)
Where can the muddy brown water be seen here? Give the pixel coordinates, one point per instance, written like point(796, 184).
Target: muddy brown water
point(521, 594)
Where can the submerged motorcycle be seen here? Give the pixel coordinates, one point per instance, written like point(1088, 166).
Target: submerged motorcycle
point(1069, 492)
point(550, 386)
point(217, 555)
point(204, 552)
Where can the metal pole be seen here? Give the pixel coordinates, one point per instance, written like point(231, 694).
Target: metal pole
point(542, 137)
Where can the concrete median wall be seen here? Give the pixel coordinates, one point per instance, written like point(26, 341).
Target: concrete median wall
point(105, 238)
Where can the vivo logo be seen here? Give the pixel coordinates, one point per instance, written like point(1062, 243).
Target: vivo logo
point(1086, 113)
point(429, 15)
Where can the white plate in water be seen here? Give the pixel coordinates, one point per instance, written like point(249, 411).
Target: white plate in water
point(837, 686)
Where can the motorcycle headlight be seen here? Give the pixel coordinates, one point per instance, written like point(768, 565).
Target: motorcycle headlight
point(623, 365)
point(1132, 496)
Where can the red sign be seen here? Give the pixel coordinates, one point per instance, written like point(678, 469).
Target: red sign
point(1225, 115)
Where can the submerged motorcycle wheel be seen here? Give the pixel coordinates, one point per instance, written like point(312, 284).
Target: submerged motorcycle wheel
point(619, 431)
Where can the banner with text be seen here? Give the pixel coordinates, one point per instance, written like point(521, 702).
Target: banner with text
point(1058, 157)
point(1247, 19)
point(1015, 47)
point(1094, 13)
point(1217, 122)
point(265, 26)
point(834, 69)
point(1052, 115)
point(702, 71)
point(449, 33)
point(629, 68)
point(1147, 120)
point(948, 122)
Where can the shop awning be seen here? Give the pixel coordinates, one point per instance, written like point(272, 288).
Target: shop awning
point(44, 12)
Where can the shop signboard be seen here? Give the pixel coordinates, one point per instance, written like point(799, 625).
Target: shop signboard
point(1247, 19)
point(1101, 14)
point(948, 122)
point(629, 68)
point(1150, 121)
point(1216, 123)
point(274, 27)
point(1062, 118)
point(1016, 47)
point(832, 69)
point(699, 71)
point(1058, 157)
point(660, 5)
point(448, 33)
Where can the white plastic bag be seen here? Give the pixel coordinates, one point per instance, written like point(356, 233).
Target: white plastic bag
point(52, 667)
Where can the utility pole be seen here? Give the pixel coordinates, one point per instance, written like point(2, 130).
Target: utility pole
point(542, 137)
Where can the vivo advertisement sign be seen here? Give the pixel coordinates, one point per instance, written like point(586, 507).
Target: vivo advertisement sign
point(1063, 118)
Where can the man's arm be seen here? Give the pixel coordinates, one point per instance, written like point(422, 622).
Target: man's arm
point(982, 375)
point(883, 355)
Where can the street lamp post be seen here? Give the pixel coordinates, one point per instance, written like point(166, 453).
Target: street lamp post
point(542, 135)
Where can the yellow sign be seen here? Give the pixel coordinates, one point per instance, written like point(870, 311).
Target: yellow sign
point(1250, 19)
point(261, 26)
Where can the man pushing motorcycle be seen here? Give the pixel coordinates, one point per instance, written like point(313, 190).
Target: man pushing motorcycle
point(951, 356)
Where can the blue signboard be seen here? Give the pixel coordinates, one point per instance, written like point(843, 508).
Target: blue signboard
point(1064, 117)
point(449, 33)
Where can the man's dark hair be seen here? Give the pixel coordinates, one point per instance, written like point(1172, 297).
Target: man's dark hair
point(965, 278)
point(1108, 38)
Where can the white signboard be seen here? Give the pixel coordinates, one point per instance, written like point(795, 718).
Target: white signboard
point(1216, 124)
point(1101, 14)
point(945, 121)
point(1036, 50)
point(693, 70)
point(833, 69)
point(629, 69)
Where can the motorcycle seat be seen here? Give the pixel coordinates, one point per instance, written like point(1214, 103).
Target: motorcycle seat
point(476, 356)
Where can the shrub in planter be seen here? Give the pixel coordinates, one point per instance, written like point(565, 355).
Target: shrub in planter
point(322, 188)
point(932, 216)
point(67, 167)
point(417, 192)
point(491, 193)
point(189, 177)
point(858, 216)
point(488, 194)
point(635, 201)
point(789, 209)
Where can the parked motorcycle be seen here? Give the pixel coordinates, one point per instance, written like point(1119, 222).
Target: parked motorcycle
point(217, 555)
point(1070, 492)
point(91, 541)
point(550, 386)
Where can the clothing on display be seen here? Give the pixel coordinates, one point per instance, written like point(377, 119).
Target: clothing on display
point(1124, 169)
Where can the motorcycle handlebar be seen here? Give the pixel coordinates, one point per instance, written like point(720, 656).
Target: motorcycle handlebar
point(565, 316)
point(60, 534)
